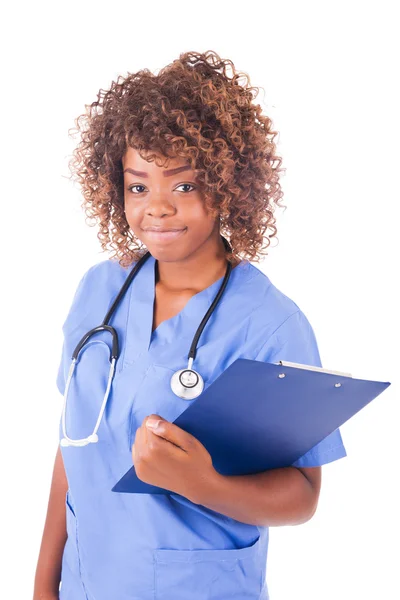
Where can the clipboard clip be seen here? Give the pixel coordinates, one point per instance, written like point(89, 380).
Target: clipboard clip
point(286, 363)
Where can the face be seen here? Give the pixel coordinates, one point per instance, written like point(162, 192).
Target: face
point(166, 198)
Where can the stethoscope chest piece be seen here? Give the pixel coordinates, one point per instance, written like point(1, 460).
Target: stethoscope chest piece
point(187, 384)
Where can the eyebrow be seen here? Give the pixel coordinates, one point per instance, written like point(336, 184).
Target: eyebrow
point(167, 173)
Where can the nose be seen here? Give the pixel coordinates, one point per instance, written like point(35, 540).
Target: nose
point(158, 205)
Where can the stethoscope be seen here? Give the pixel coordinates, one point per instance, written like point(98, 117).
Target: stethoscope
point(185, 383)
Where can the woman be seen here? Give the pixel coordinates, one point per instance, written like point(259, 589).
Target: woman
point(172, 164)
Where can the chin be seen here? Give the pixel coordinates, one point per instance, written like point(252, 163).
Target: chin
point(168, 251)
point(166, 254)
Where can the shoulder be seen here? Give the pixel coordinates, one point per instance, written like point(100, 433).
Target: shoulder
point(284, 332)
point(107, 272)
point(273, 306)
point(96, 287)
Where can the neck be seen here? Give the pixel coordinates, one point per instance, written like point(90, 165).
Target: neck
point(196, 272)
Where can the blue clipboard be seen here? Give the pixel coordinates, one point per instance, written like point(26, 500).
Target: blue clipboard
point(257, 416)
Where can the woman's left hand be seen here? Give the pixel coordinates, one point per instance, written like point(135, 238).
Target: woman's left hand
point(169, 457)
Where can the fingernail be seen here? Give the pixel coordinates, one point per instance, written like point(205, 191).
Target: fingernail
point(152, 423)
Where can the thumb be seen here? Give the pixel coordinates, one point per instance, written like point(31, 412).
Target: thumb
point(153, 420)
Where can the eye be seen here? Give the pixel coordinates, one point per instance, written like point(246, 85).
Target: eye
point(136, 185)
point(189, 184)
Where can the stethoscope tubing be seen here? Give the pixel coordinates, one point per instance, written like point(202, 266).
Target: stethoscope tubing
point(188, 390)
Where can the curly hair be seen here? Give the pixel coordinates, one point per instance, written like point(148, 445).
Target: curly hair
point(190, 109)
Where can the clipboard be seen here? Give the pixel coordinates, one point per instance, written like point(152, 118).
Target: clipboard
point(258, 416)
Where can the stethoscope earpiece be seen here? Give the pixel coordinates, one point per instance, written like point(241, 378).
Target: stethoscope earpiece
point(91, 439)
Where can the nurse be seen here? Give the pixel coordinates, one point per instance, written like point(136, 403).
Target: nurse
point(174, 165)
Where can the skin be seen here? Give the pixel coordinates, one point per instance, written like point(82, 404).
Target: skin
point(168, 456)
point(48, 569)
point(173, 201)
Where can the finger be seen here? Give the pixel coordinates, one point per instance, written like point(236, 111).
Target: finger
point(143, 431)
point(150, 444)
point(139, 439)
point(170, 432)
point(149, 438)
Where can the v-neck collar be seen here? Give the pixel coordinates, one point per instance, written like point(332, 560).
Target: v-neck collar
point(139, 336)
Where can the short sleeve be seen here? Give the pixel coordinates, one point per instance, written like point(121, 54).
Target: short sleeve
point(294, 341)
point(74, 317)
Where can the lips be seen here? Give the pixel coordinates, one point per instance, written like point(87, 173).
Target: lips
point(159, 235)
point(164, 229)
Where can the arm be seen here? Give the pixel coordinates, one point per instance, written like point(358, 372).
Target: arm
point(167, 456)
point(48, 570)
point(287, 496)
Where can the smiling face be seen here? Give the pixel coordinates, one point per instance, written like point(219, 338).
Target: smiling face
point(167, 198)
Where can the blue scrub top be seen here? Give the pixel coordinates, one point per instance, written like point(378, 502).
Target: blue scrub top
point(163, 547)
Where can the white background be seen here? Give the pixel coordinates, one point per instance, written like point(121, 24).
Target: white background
point(329, 73)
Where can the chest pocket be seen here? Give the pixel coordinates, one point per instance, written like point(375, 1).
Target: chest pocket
point(209, 574)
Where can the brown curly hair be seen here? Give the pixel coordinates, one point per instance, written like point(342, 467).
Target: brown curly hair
point(190, 109)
